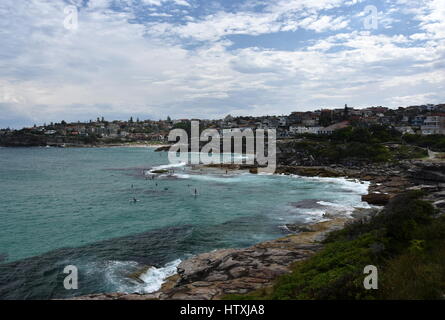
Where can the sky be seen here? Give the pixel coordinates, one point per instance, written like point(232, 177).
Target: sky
point(82, 59)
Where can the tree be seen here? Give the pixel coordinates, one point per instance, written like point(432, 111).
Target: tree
point(326, 118)
point(346, 112)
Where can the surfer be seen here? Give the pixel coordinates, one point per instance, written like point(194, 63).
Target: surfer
point(196, 192)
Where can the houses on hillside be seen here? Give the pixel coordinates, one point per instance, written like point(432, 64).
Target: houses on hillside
point(434, 124)
point(425, 120)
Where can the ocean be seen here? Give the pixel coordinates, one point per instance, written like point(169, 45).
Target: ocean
point(97, 209)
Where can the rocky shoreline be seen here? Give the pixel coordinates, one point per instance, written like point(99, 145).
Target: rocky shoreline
point(215, 274)
point(237, 271)
point(90, 146)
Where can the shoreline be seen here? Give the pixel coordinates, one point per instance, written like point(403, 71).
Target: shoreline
point(215, 274)
point(212, 275)
point(89, 146)
point(237, 270)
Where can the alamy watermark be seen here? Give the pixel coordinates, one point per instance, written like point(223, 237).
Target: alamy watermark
point(252, 147)
point(371, 21)
point(71, 282)
point(371, 280)
point(71, 21)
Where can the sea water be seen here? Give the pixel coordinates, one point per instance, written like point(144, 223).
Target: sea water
point(100, 210)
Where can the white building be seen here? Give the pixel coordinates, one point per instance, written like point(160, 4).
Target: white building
point(405, 130)
point(303, 130)
point(433, 125)
point(318, 130)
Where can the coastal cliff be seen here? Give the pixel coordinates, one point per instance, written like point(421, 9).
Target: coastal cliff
point(235, 271)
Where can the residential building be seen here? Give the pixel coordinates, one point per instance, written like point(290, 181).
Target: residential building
point(433, 125)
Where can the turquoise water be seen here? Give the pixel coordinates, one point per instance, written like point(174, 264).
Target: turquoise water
point(63, 207)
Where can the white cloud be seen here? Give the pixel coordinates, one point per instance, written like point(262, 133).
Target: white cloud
point(161, 2)
point(110, 66)
point(411, 100)
point(277, 16)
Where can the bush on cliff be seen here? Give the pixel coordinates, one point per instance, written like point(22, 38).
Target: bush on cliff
point(363, 144)
point(334, 274)
point(435, 142)
point(372, 134)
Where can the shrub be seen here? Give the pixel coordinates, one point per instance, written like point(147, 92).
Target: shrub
point(434, 142)
point(415, 275)
point(406, 242)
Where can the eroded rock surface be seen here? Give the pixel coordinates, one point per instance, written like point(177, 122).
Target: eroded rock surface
point(235, 271)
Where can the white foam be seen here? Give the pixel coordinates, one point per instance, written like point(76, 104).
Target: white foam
point(181, 176)
point(166, 166)
point(155, 277)
point(314, 213)
point(231, 178)
point(265, 174)
point(336, 208)
point(355, 186)
point(113, 272)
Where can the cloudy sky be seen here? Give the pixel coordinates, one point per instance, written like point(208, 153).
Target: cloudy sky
point(209, 58)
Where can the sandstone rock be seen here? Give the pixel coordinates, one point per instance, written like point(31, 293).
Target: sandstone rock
point(378, 199)
point(162, 149)
point(298, 228)
point(199, 266)
point(427, 171)
point(253, 170)
point(424, 188)
point(440, 204)
point(238, 272)
point(136, 275)
point(217, 276)
point(228, 263)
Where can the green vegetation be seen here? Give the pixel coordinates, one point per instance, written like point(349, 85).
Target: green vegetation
point(434, 142)
point(406, 241)
point(404, 152)
point(371, 144)
point(373, 134)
